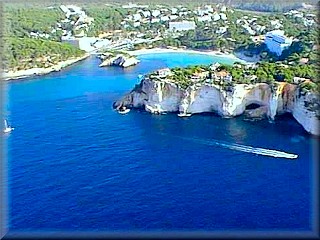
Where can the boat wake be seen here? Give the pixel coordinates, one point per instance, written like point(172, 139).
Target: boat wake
point(241, 148)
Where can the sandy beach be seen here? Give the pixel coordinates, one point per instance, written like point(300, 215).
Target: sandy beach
point(12, 75)
point(178, 50)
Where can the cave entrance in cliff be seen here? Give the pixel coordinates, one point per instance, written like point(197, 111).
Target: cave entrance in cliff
point(253, 106)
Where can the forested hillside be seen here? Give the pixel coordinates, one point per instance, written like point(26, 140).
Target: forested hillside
point(19, 22)
point(21, 51)
point(25, 53)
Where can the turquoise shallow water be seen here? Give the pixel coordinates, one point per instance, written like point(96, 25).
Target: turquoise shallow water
point(76, 164)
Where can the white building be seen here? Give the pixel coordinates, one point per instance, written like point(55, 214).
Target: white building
point(228, 78)
point(164, 18)
point(259, 28)
point(308, 22)
point(277, 42)
point(200, 12)
point(221, 30)
point(87, 43)
point(183, 14)
point(204, 18)
point(136, 24)
point(81, 34)
point(156, 13)
point(136, 17)
point(164, 72)
point(249, 29)
point(252, 20)
point(209, 8)
point(146, 13)
point(65, 20)
point(182, 26)
point(100, 43)
point(214, 66)
point(173, 17)
point(174, 10)
point(216, 17)
point(64, 8)
point(223, 9)
point(310, 15)
point(67, 38)
point(155, 20)
point(74, 9)
point(223, 16)
point(130, 5)
point(276, 24)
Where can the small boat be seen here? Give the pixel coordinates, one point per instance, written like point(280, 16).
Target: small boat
point(7, 128)
point(154, 110)
point(124, 110)
point(184, 114)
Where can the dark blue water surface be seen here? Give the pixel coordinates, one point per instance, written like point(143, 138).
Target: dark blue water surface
point(76, 164)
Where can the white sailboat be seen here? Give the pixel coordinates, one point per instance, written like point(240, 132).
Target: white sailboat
point(7, 128)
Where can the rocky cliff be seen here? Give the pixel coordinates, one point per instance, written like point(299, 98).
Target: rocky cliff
point(119, 60)
point(164, 96)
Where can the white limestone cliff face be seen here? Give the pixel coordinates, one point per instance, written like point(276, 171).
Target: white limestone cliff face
point(204, 99)
point(304, 111)
point(163, 96)
point(273, 102)
point(237, 99)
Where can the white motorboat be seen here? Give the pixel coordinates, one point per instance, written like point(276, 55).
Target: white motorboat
point(184, 114)
point(7, 128)
point(124, 111)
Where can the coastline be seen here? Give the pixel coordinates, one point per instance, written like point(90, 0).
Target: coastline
point(15, 75)
point(179, 50)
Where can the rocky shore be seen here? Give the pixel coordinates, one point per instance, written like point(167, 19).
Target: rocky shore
point(11, 75)
point(164, 96)
point(118, 60)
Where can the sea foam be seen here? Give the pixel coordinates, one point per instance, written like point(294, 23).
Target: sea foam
point(241, 148)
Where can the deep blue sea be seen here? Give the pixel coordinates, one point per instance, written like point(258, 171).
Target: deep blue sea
point(76, 164)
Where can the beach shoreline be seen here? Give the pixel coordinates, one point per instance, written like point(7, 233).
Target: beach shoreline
point(180, 50)
point(22, 74)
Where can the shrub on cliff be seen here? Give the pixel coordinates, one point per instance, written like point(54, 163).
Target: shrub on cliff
point(309, 86)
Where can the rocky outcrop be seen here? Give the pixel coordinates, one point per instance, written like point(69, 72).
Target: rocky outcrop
point(164, 96)
point(119, 60)
point(306, 111)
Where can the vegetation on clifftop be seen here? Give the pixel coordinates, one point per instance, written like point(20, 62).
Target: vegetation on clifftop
point(20, 22)
point(25, 53)
point(227, 75)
